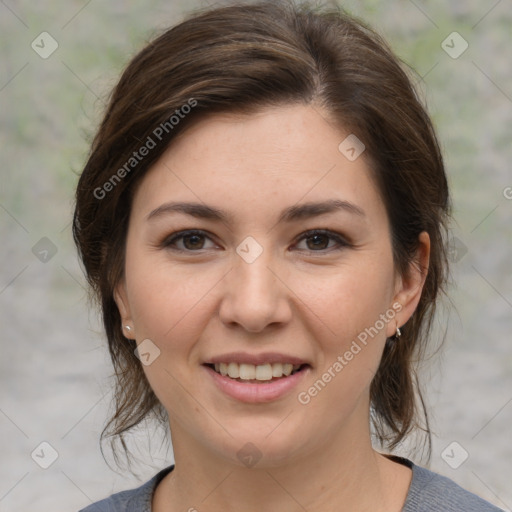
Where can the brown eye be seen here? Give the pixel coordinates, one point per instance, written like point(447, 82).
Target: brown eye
point(186, 241)
point(318, 240)
point(193, 241)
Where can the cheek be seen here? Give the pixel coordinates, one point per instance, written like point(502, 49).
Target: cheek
point(350, 349)
point(352, 301)
point(353, 305)
point(164, 298)
point(169, 306)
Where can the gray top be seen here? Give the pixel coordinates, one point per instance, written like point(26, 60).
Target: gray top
point(428, 492)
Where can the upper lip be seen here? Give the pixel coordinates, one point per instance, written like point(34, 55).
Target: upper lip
point(255, 359)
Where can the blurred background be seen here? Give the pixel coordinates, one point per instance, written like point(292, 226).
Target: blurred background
point(59, 61)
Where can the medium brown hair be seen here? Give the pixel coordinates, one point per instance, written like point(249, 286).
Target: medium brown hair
point(241, 58)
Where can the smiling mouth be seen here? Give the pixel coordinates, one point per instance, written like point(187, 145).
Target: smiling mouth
point(251, 373)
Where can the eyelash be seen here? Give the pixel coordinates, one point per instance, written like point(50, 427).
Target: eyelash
point(342, 242)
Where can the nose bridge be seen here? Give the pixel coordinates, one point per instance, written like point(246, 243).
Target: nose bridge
point(253, 273)
point(254, 297)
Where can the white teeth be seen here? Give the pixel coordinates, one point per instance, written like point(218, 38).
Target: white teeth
point(287, 368)
point(247, 371)
point(263, 372)
point(277, 370)
point(233, 370)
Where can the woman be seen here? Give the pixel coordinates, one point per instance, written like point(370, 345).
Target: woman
point(262, 219)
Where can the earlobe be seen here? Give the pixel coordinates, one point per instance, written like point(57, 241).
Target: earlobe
point(410, 286)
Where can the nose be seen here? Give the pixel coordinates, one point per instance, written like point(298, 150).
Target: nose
point(255, 295)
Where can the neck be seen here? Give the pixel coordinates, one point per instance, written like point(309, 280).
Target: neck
point(341, 474)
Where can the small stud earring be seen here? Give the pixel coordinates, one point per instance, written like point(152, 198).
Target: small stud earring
point(398, 332)
point(128, 328)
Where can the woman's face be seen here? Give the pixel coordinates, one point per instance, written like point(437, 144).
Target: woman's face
point(252, 288)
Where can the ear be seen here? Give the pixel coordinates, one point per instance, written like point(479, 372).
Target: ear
point(409, 287)
point(121, 300)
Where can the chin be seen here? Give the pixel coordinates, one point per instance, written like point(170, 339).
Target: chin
point(258, 445)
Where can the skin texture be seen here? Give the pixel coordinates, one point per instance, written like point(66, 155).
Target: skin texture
point(294, 298)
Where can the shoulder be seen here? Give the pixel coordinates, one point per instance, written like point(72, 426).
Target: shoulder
point(133, 500)
point(431, 492)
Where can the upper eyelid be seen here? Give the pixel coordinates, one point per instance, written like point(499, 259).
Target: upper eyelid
point(337, 237)
point(184, 232)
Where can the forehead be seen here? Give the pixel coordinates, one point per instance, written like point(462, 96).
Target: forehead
point(259, 163)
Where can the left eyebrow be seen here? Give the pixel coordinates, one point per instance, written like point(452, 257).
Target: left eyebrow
point(308, 210)
point(289, 214)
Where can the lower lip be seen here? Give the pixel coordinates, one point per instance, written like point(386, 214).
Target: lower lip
point(257, 393)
